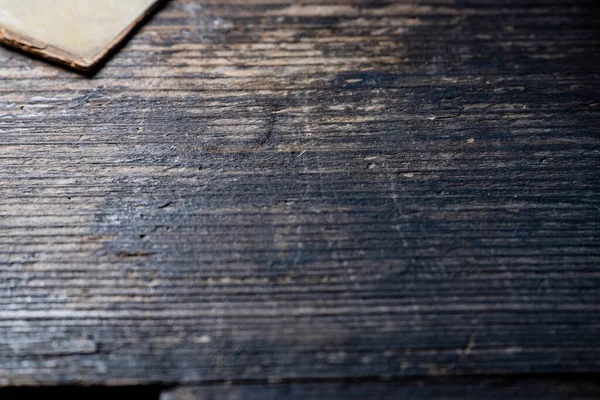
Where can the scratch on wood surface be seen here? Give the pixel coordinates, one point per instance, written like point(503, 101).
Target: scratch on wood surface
point(351, 191)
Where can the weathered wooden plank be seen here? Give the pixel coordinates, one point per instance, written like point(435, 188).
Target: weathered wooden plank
point(259, 190)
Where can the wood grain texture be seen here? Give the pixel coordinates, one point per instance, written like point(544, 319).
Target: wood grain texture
point(261, 190)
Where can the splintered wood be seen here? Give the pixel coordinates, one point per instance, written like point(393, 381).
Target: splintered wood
point(78, 33)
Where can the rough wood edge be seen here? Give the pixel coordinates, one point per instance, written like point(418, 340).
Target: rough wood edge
point(496, 387)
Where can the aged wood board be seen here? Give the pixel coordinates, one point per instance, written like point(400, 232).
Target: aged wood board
point(258, 192)
point(78, 33)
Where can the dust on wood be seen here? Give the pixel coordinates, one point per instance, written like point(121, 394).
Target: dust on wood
point(356, 190)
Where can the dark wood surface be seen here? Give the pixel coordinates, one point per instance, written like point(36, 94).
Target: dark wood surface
point(507, 388)
point(259, 191)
